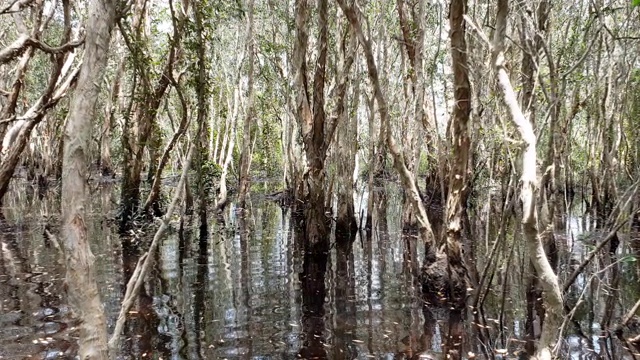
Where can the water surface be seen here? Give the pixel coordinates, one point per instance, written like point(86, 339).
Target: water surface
point(234, 290)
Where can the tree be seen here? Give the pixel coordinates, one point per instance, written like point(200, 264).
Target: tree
point(316, 127)
point(82, 288)
point(548, 279)
point(408, 182)
point(137, 131)
point(247, 139)
point(62, 76)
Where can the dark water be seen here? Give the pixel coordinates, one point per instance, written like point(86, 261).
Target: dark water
point(235, 291)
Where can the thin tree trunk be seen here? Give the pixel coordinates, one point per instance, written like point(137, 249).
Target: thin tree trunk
point(154, 193)
point(145, 261)
point(347, 139)
point(408, 182)
point(372, 165)
point(145, 115)
point(202, 86)
point(413, 36)
point(222, 200)
point(552, 296)
point(247, 138)
point(106, 166)
point(82, 287)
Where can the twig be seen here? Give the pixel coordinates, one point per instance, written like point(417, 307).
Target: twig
point(15, 6)
point(24, 41)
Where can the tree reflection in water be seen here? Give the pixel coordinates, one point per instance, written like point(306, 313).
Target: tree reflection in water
point(243, 288)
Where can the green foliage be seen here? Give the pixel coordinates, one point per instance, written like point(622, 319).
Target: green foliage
point(210, 173)
point(635, 2)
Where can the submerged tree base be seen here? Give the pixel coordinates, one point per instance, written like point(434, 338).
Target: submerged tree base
point(443, 285)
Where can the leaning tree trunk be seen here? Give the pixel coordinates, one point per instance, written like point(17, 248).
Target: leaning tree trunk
point(412, 30)
point(532, 41)
point(154, 193)
point(60, 78)
point(82, 288)
point(408, 182)
point(552, 296)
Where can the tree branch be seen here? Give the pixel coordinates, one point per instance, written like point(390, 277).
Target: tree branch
point(24, 41)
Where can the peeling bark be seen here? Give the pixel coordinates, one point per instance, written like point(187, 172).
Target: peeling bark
point(460, 146)
point(316, 128)
point(82, 288)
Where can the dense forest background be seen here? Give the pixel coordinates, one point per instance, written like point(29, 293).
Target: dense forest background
point(495, 126)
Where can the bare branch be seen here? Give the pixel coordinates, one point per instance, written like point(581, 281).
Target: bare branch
point(14, 50)
point(16, 6)
point(24, 41)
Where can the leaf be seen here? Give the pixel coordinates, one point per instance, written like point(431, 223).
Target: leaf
point(635, 2)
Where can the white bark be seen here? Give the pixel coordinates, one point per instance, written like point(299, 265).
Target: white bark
point(83, 295)
point(552, 296)
point(408, 181)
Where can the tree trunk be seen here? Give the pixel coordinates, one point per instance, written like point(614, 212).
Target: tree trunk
point(415, 117)
point(346, 140)
point(35, 114)
point(61, 77)
point(154, 193)
point(144, 117)
point(408, 182)
point(225, 158)
point(459, 146)
point(82, 288)
point(317, 132)
point(204, 174)
point(106, 166)
point(247, 138)
point(548, 279)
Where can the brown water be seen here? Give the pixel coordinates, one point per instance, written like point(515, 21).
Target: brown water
point(234, 292)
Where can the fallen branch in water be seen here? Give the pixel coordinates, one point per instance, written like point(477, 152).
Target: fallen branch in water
point(145, 261)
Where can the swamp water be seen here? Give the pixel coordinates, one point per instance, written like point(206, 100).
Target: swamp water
point(236, 293)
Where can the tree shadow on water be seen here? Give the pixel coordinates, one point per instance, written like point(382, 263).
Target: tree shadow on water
point(312, 283)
